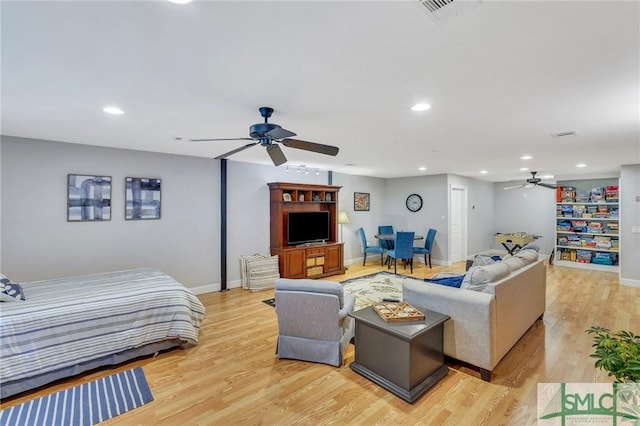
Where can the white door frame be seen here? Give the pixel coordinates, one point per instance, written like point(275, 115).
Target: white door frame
point(463, 245)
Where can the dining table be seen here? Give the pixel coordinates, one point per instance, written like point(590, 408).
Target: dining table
point(390, 238)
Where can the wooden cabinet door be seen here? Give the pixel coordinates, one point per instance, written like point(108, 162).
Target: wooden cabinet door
point(333, 258)
point(295, 266)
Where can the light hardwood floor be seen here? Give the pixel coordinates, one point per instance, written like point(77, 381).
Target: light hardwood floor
point(233, 377)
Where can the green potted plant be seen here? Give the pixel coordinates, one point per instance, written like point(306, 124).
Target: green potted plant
point(618, 353)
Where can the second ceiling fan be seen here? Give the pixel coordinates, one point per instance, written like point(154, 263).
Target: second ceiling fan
point(269, 135)
point(530, 183)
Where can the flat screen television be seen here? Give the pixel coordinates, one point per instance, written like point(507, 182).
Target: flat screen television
point(307, 227)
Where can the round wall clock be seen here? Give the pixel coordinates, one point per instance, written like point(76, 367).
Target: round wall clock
point(414, 202)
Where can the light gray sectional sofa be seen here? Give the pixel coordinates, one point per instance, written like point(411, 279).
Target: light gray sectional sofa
point(493, 308)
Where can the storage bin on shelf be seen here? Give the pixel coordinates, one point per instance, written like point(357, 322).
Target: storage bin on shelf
point(583, 256)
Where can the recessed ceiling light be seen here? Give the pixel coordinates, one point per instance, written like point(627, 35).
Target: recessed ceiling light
point(581, 165)
point(484, 172)
point(422, 169)
point(524, 169)
point(546, 177)
point(526, 157)
point(420, 107)
point(113, 110)
point(180, 1)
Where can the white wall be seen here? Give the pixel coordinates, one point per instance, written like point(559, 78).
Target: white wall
point(39, 243)
point(480, 211)
point(0, 204)
point(434, 212)
point(368, 220)
point(248, 210)
point(530, 210)
point(629, 217)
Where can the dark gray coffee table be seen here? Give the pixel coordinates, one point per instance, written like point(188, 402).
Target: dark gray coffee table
point(403, 357)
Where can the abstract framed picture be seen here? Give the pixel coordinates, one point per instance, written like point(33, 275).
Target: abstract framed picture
point(88, 198)
point(142, 198)
point(361, 201)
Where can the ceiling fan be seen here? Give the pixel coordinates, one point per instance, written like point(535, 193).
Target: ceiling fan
point(530, 183)
point(270, 135)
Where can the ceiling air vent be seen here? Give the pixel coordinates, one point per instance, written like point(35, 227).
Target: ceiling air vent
point(435, 5)
point(442, 9)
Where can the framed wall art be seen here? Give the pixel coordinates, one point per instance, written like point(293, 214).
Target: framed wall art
point(88, 198)
point(361, 201)
point(142, 198)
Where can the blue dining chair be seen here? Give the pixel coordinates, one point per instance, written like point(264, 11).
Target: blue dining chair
point(402, 249)
point(428, 243)
point(386, 229)
point(370, 249)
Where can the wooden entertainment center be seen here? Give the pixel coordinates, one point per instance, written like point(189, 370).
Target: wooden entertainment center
point(313, 260)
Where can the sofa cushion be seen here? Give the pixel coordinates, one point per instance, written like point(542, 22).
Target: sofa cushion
point(478, 277)
point(528, 256)
point(512, 262)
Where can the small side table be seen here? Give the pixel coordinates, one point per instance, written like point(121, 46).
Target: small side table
point(404, 357)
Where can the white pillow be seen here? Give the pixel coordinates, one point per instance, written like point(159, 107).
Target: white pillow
point(477, 277)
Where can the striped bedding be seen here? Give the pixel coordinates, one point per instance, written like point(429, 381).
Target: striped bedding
point(65, 322)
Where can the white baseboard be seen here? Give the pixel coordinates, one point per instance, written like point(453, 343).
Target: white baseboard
point(215, 287)
point(630, 282)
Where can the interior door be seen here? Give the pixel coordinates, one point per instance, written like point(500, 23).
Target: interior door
point(457, 230)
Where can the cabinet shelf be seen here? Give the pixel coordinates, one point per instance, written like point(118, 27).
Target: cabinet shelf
point(573, 203)
point(588, 218)
point(588, 248)
point(604, 234)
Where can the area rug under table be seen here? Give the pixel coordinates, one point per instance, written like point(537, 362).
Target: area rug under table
point(371, 289)
point(87, 404)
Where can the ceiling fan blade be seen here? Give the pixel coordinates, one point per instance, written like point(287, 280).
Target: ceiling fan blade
point(547, 185)
point(311, 146)
point(227, 139)
point(279, 133)
point(522, 185)
point(242, 148)
point(276, 154)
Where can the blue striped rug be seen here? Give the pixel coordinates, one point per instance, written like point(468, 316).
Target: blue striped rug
point(86, 404)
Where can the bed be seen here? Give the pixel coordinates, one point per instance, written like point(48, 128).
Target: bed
point(70, 325)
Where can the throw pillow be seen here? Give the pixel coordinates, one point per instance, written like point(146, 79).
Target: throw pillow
point(10, 292)
point(478, 277)
point(482, 260)
point(528, 256)
point(452, 281)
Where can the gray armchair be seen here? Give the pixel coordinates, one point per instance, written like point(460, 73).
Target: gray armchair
point(313, 320)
